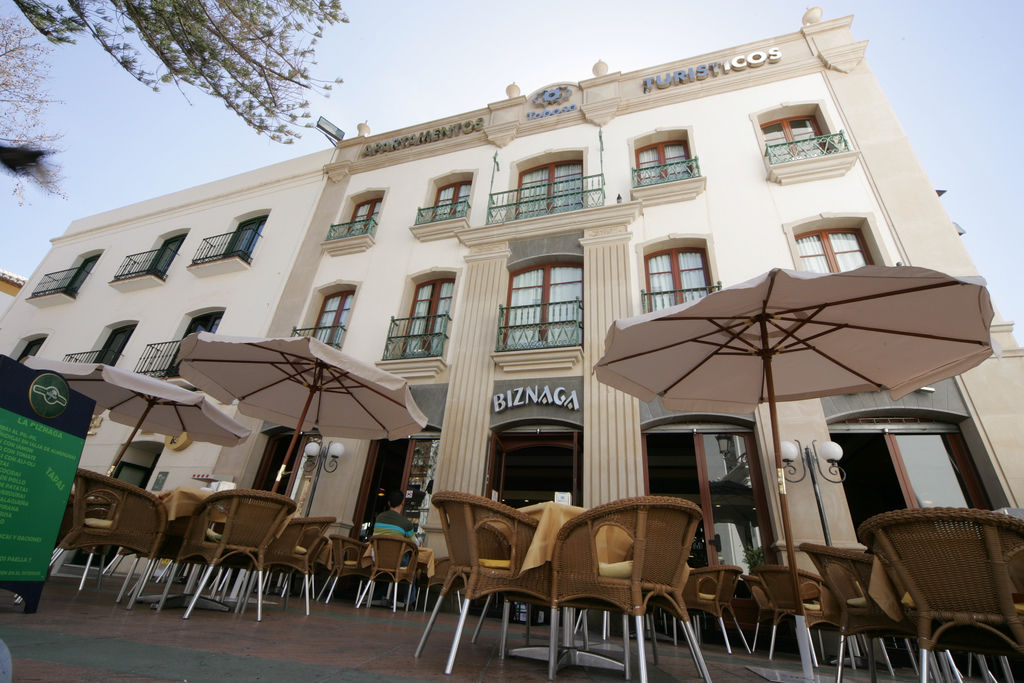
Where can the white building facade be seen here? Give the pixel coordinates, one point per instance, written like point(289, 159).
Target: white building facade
point(484, 256)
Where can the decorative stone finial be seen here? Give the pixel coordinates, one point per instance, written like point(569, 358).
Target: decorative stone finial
point(512, 90)
point(364, 129)
point(811, 16)
point(600, 68)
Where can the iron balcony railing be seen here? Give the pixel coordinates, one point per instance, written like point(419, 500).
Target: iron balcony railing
point(544, 199)
point(237, 244)
point(442, 212)
point(819, 146)
point(328, 334)
point(421, 337)
point(363, 226)
point(540, 326)
point(155, 262)
point(160, 360)
point(107, 356)
point(61, 282)
point(666, 173)
point(655, 301)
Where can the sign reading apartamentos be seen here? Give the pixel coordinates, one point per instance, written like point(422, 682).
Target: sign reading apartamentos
point(432, 135)
point(712, 70)
point(524, 396)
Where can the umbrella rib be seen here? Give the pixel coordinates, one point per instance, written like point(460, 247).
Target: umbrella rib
point(835, 327)
point(735, 335)
point(867, 297)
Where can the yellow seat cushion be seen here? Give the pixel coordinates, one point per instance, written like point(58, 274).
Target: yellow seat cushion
point(214, 536)
point(857, 602)
point(812, 606)
point(351, 563)
point(706, 596)
point(616, 570)
point(907, 601)
point(495, 564)
point(299, 550)
point(1019, 606)
point(97, 523)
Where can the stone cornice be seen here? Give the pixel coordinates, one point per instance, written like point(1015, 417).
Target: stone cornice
point(612, 215)
point(439, 230)
point(665, 193)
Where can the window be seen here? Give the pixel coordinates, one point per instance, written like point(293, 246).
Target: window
point(112, 348)
point(31, 348)
point(790, 130)
point(366, 210)
point(448, 198)
point(333, 318)
point(831, 251)
point(243, 240)
point(81, 273)
point(675, 276)
point(663, 162)
point(544, 309)
point(550, 189)
point(165, 254)
point(208, 322)
point(429, 318)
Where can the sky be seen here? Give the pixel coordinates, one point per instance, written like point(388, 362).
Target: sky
point(946, 67)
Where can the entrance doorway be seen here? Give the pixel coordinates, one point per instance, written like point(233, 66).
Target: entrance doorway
point(403, 465)
point(528, 468)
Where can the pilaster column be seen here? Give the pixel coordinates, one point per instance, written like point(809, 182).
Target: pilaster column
point(612, 455)
point(464, 439)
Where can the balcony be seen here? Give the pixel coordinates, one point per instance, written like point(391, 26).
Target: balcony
point(666, 173)
point(329, 334)
point(824, 156)
point(62, 282)
point(160, 360)
point(105, 356)
point(545, 199)
point(541, 326)
point(143, 270)
point(656, 301)
point(352, 237)
point(231, 251)
point(422, 337)
point(441, 221)
point(442, 212)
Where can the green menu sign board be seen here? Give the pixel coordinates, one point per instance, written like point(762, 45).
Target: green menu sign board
point(42, 431)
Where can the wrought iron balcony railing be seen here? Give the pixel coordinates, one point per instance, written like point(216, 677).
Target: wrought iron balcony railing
point(655, 301)
point(666, 173)
point(421, 337)
point(107, 356)
point(544, 199)
point(328, 334)
point(363, 226)
point(820, 146)
point(160, 360)
point(442, 212)
point(61, 282)
point(540, 326)
point(237, 244)
point(155, 262)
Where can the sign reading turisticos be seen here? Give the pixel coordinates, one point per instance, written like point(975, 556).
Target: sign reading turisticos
point(432, 135)
point(712, 70)
point(522, 396)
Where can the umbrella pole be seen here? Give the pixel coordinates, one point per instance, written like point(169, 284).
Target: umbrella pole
point(128, 441)
point(802, 638)
point(295, 439)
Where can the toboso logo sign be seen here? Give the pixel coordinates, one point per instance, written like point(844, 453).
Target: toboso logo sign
point(523, 396)
point(551, 97)
point(713, 70)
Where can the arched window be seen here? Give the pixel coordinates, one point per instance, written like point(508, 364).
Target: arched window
point(831, 251)
point(551, 188)
point(790, 129)
point(333, 318)
point(675, 276)
point(662, 162)
point(368, 209)
point(423, 333)
point(544, 308)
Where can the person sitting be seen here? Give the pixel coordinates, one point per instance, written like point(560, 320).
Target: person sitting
point(392, 522)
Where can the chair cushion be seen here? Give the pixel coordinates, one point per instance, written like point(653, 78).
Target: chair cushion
point(299, 550)
point(907, 601)
point(857, 602)
point(812, 606)
point(706, 596)
point(351, 563)
point(214, 536)
point(97, 523)
point(616, 570)
point(495, 564)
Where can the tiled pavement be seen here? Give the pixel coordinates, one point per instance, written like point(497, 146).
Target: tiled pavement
point(86, 637)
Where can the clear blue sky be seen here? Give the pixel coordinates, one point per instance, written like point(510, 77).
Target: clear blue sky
point(948, 67)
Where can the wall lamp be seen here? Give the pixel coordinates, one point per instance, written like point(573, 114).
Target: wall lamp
point(832, 452)
point(320, 457)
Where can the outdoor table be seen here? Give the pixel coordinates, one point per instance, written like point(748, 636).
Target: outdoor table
point(182, 501)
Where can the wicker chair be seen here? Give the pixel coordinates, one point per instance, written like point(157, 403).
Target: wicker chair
point(487, 542)
point(394, 560)
point(347, 560)
point(108, 512)
point(297, 547)
point(819, 605)
point(234, 528)
point(662, 531)
point(711, 589)
point(765, 608)
point(847, 573)
point(441, 567)
point(957, 570)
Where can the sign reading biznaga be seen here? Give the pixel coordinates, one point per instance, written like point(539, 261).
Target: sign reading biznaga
point(523, 396)
point(713, 70)
point(433, 135)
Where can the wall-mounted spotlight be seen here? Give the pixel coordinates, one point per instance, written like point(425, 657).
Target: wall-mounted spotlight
point(333, 133)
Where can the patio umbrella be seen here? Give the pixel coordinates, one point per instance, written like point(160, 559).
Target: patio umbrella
point(146, 403)
point(786, 336)
point(303, 382)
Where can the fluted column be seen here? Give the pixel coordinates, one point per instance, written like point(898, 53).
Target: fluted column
point(464, 439)
point(612, 456)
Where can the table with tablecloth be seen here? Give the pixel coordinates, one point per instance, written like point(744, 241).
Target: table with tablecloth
point(612, 543)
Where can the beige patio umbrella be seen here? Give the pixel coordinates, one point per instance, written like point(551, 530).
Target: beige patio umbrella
point(301, 382)
point(787, 335)
point(146, 403)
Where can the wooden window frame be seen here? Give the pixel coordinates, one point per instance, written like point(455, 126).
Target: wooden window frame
point(346, 295)
point(374, 209)
point(826, 244)
point(660, 146)
point(551, 173)
point(677, 277)
point(456, 190)
point(786, 125)
point(546, 286)
point(435, 296)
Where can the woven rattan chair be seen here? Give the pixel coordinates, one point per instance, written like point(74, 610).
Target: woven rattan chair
point(347, 560)
point(487, 542)
point(957, 571)
point(765, 608)
point(108, 512)
point(234, 528)
point(394, 560)
point(710, 590)
point(442, 565)
point(297, 547)
point(847, 573)
point(820, 606)
point(661, 530)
